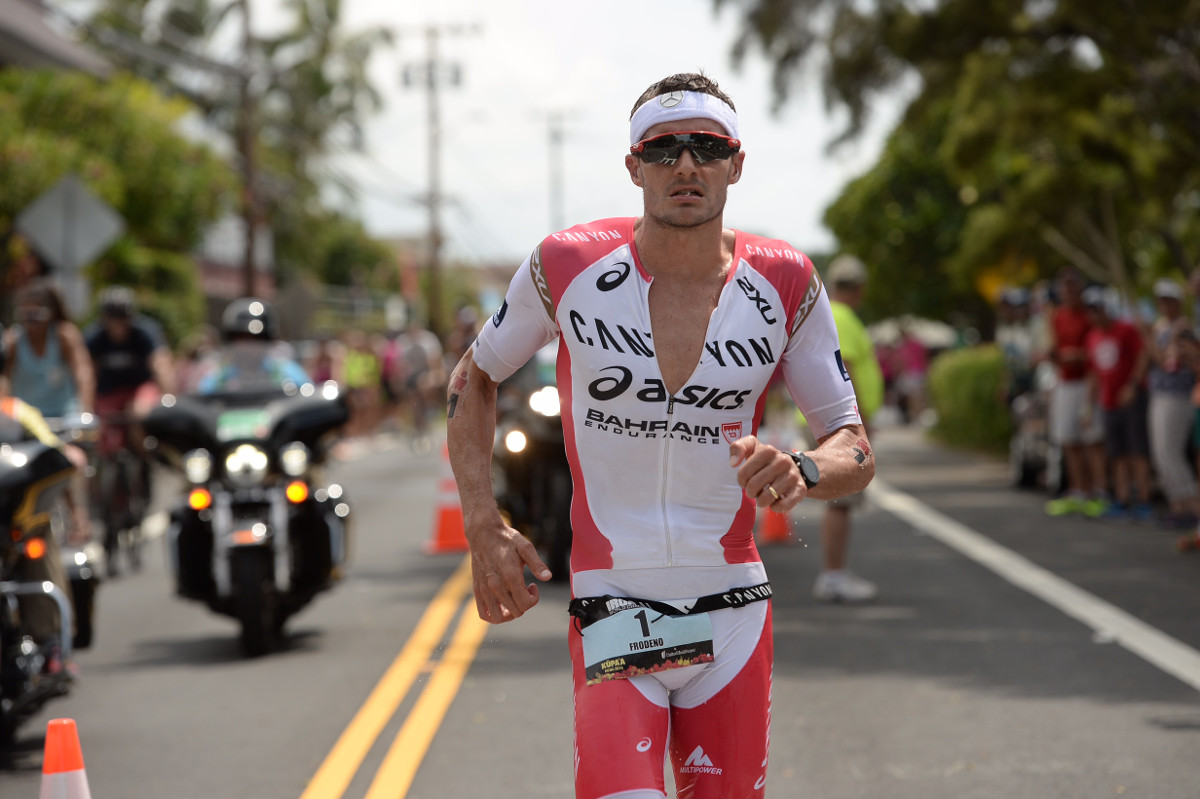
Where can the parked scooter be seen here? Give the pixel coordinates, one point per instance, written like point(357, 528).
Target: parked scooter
point(531, 477)
point(258, 532)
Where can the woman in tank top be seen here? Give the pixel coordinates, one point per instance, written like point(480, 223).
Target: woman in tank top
point(48, 365)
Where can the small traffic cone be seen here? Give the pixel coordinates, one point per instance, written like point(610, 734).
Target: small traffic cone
point(776, 528)
point(449, 532)
point(63, 776)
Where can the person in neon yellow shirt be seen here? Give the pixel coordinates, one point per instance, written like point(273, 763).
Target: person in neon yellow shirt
point(845, 281)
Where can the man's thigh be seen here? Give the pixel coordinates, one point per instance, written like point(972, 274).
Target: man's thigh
point(718, 728)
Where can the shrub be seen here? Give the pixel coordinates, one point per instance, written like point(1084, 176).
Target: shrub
point(966, 389)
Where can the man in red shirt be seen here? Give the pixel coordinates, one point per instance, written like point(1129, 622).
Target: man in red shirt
point(1074, 419)
point(1119, 359)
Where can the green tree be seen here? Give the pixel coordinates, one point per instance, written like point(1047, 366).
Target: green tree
point(121, 137)
point(904, 219)
point(308, 96)
point(1073, 134)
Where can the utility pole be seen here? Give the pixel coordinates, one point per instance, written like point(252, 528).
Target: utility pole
point(555, 121)
point(557, 201)
point(431, 74)
point(249, 163)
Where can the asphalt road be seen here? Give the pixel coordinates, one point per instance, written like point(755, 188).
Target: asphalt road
point(1009, 655)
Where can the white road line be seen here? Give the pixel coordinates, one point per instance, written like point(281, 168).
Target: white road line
point(1157, 648)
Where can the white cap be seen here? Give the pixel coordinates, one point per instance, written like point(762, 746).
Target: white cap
point(1168, 288)
point(847, 269)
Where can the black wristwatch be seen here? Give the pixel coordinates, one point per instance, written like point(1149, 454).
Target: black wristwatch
point(808, 468)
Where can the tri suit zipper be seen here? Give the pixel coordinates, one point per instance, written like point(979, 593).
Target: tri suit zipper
point(665, 479)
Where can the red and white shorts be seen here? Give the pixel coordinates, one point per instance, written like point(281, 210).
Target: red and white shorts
point(714, 718)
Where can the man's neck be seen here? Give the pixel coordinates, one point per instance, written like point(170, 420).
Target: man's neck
point(674, 252)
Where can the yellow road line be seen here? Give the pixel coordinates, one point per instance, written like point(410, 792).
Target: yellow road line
point(395, 776)
point(343, 761)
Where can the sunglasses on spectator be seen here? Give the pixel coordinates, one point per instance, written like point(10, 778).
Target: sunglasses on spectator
point(703, 146)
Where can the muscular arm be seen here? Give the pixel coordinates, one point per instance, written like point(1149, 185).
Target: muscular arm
point(844, 457)
point(499, 554)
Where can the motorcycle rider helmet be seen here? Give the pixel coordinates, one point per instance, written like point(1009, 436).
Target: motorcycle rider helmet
point(118, 302)
point(249, 318)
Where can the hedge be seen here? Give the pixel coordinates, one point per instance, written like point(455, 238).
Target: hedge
point(966, 389)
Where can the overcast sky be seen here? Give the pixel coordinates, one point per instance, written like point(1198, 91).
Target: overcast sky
point(531, 58)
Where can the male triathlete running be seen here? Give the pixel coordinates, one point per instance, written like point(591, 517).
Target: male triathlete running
point(671, 327)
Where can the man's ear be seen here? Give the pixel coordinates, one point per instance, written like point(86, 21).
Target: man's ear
point(635, 170)
point(738, 158)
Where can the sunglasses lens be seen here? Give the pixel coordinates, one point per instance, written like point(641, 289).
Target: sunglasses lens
point(704, 147)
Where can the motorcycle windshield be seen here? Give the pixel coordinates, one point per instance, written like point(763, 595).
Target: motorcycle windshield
point(254, 368)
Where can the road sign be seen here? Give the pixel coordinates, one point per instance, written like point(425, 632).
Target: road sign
point(69, 225)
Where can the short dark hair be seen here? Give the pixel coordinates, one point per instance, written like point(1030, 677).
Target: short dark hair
point(682, 82)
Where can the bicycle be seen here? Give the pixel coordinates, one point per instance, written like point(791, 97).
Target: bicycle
point(121, 493)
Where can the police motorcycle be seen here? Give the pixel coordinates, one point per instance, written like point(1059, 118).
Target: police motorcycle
point(34, 480)
point(259, 532)
point(531, 478)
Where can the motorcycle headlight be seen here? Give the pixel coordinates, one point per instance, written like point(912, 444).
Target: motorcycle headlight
point(545, 401)
point(294, 459)
point(515, 441)
point(247, 465)
point(197, 466)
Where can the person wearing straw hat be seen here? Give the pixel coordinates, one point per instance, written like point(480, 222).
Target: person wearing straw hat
point(670, 328)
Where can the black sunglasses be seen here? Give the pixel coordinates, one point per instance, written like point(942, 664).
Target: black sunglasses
point(703, 146)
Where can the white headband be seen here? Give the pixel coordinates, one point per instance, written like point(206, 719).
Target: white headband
point(674, 106)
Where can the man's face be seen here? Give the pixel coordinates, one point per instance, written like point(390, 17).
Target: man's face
point(117, 327)
point(685, 194)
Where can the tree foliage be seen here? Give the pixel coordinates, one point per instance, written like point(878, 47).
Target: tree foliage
point(121, 137)
point(1070, 135)
point(309, 95)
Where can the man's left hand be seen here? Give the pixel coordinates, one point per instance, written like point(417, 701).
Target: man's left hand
point(768, 475)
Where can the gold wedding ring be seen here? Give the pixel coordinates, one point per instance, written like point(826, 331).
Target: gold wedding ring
point(774, 493)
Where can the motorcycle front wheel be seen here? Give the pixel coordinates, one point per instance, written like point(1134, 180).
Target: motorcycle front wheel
point(254, 595)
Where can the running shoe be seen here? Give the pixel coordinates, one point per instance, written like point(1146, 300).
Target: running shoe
point(1064, 506)
point(1095, 508)
point(1142, 513)
point(1116, 512)
point(843, 586)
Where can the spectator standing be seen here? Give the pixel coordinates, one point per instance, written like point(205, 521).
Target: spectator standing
point(362, 370)
point(1016, 336)
point(423, 378)
point(847, 279)
point(1075, 422)
point(1119, 360)
point(1170, 409)
point(913, 362)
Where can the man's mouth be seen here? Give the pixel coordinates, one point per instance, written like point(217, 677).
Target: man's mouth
point(688, 192)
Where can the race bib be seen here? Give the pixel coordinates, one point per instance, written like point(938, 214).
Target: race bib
point(640, 640)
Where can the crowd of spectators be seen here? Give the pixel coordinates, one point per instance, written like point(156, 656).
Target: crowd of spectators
point(1123, 376)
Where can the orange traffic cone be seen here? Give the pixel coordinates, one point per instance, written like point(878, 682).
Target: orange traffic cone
point(448, 530)
point(776, 528)
point(63, 776)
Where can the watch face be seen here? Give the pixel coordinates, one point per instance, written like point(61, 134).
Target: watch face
point(808, 468)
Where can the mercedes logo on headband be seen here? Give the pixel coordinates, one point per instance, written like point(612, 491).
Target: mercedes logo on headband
point(670, 99)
